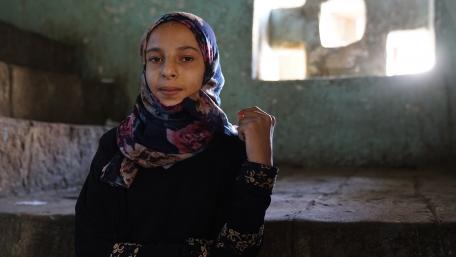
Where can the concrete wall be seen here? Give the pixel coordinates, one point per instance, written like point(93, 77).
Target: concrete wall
point(399, 121)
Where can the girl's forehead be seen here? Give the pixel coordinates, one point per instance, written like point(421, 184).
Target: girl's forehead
point(171, 32)
point(169, 24)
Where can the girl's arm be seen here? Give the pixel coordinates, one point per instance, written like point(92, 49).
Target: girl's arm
point(243, 232)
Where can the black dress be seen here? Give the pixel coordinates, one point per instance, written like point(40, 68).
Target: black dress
point(212, 204)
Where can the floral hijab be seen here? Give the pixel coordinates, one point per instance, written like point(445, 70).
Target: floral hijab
point(155, 135)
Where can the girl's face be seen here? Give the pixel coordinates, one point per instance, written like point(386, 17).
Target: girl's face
point(174, 63)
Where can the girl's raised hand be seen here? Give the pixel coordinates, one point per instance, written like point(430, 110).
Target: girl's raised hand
point(256, 128)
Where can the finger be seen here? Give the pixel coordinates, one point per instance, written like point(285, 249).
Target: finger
point(250, 109)
point(252, 114)
point(265, 115)
point(257, 115)
point(243, 122)
point(255, 112)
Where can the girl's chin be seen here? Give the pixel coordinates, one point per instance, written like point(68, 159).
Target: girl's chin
point(170, 103)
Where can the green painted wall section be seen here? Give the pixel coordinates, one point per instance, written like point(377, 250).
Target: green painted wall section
point(398, 121)
point(447, 25)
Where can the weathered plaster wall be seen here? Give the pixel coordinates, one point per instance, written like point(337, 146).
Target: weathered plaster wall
point(398, 121)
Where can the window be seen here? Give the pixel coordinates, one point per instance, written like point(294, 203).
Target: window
point(298, 39)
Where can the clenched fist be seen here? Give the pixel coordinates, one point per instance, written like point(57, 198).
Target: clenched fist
point(256, 128)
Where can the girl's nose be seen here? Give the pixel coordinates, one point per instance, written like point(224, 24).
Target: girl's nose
point(169, 70)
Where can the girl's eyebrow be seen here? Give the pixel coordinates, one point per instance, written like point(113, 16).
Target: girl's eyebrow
point(188, 47)
point(181, 48)
point(153, 49)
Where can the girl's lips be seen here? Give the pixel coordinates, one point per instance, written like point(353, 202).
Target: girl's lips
point(169, 91)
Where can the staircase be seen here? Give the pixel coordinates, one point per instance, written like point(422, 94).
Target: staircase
point(45, 156)
point(334, 212)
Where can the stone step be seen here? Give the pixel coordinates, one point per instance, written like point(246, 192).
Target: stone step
point(361, 212)
point(37, 156)
point(343, 213)
point(25, 48)
point(33, 94)
point(40, 95)
point(40, 80)
point(43, 227)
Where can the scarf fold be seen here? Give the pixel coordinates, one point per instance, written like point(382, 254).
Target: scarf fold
point(154, 135)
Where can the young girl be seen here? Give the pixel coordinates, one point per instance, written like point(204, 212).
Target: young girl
point(175, 178)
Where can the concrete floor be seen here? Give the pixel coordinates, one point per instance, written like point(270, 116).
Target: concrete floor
point(351, 212)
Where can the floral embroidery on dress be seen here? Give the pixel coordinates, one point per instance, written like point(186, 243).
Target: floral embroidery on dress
point(259, 175)
point(238, 241)
point(125, 250)
point(199, 247)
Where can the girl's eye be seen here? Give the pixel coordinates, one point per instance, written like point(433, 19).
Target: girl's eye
point(154, 59)
point(187, 59)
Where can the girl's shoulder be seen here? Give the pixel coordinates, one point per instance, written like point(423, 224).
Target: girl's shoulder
point(108, 143)
point(232, 142)
point(109, 135)
point(232, 147)
point(106, 149)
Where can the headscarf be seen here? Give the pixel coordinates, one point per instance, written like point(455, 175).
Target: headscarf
point(155, 135)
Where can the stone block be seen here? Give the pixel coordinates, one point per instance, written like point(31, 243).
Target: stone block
point(46, 96)
point(34, 50)
point(36, 236)
point(374, 239)
point(5, 90)
point(37, 156)
point(278, 239)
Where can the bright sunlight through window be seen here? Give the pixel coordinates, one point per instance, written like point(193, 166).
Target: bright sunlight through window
point(275, 64)
point(342, 22)
point(410, 51)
